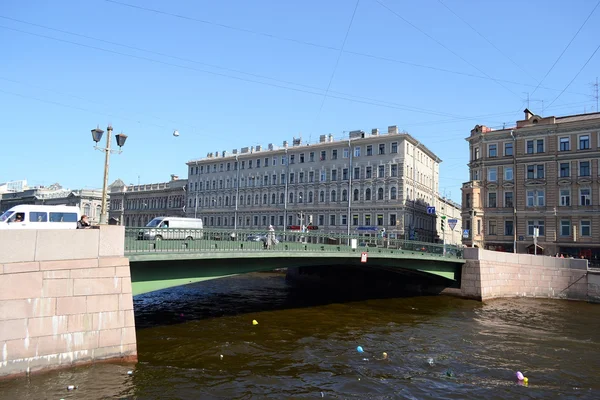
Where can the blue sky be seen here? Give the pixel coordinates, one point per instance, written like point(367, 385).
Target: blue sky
point(232, 73)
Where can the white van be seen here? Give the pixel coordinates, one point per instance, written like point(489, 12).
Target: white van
point(40, 217)
point(172, 228)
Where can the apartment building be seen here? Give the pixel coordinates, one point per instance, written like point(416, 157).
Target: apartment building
point(362, 184)
point(136, 205)
point(539, 177)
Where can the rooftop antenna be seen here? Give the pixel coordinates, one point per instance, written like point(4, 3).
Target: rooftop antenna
point(595, 92)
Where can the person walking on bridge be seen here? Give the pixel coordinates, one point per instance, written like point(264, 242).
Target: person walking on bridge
point(270, 239)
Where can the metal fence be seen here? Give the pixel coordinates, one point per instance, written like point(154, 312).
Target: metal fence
point(153, 240)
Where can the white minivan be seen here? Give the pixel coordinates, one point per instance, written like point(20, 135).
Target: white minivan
point(40, 217)
point(172, 228)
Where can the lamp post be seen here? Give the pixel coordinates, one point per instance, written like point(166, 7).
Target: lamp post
point(97, 136)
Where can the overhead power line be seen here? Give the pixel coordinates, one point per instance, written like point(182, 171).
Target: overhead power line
point(443, 45)
point(337, 62)
point(565, 49)
point(576, 75)
point(312, 44)
point(318, 93)
point(487, 40)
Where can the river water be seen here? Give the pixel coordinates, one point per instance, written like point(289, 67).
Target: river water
point(305, 347)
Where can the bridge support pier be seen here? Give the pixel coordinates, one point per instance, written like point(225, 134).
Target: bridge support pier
point(65, 299)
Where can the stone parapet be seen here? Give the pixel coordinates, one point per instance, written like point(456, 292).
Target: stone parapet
point(65, 300)
point(489, 274)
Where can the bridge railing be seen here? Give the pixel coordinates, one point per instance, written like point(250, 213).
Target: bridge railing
point(152, 240)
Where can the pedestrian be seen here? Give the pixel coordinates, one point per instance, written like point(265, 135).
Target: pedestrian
point(83, 223)
point(270, 239)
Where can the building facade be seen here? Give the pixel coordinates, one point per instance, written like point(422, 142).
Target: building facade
point(540, 177)
point(362, 184)
point(89, 201)
point(136, 205)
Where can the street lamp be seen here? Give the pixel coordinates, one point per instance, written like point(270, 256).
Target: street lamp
point(96, 137)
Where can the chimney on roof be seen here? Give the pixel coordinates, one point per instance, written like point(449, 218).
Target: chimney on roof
point(528, 114)
point(392, 130)
point(374, 132)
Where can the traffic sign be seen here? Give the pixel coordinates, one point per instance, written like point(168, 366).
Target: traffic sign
point(465, 233)
point(430, 210)
point(452, 223)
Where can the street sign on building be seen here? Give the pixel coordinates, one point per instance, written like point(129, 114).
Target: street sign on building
point(465, 233)
point(430, 210)
point(452, 223)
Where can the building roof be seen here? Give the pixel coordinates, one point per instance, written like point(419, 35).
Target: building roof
point(325, 141)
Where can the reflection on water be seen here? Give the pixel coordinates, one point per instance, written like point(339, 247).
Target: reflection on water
point(305, 347)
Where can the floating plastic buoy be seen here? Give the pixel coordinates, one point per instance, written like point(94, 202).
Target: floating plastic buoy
point(520, 375)
point(430, 361)
point(221, 356)
point(525, 380)
point(360, 349)
point(384, 355)
point(254, 322)
point(129, 372)
point(71, 387)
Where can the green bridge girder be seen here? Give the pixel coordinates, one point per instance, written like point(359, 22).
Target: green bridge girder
point(157, 265)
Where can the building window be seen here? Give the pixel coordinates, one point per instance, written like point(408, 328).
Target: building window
point(301, 158)
point(393, 220)
point(380, 194)
point(301, 177)
point(310, 198)
point(345, 174)
point(539, 146)
point(356, 195)
point(508, 173)
point(394, 170)
point(321, 196)
point(367, 219)
point(344, 219)
point(332, 219)
point(508, 228)
point(468, 200)
point(357, 151)
point(381, 149)
point(530, 147)
point(508, 149)
point(535, 198)
point(323, 155)
point(355, 220)
point(492, 174)
point(535, 224)
point(334, 154)
point(564, 144)
point(249, 164)
point(492, 200)
point(584, 142)
point(393, 193)
point(334, 174)
point(508, 199)
point(369, 172)
point(586, 228)
point(323, 176)
point(565, 197)
point(565, 170)
point(394, 149)
point(291, 177)
point(585, 197)
point(346, 153)
point(258, 163)
point(356, 173)
point(300, 197)
point(368, 195)
point(492, 228)
point(292, 158)
point(584, 168)
point(565, 228)
point(381, 171)
point(475, 153)
point(321, 220)
point(493, 150)
point(333, 196)
point(535, 171)
point(311, 156)
point(344, 195)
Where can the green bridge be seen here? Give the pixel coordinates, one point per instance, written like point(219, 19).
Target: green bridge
point(161, 257)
